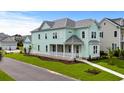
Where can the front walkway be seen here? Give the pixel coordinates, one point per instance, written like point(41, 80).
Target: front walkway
point(102, 68)
point(21, 71)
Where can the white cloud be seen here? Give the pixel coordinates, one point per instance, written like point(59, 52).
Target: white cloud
point(17, 23)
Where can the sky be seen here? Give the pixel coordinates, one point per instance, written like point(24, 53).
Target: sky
point(22, 22)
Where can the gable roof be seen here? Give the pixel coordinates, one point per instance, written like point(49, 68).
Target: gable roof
point(117, 21)
point(3, 36)
point(27, 36)
point(73, 40)
point(10, 39)
point(66, 22)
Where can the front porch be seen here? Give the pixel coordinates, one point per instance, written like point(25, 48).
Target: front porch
point(71, 48)
point(71, 51)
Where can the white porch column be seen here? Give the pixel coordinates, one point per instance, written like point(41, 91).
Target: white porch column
point(63, 50)
point(56, 50)
point(72, 50)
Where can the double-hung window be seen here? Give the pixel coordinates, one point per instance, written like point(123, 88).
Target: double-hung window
point(93, 35)
point(38, 36)
point(46, 48)
point(45, 35)
point(115, 33)
point(95, 49)
point(101, 34)
point(55, 35)
point(38, 47)
point(83, 34)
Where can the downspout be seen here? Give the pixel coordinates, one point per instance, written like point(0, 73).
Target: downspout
point(120, 36)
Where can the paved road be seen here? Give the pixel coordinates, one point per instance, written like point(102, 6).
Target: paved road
point(25, 72)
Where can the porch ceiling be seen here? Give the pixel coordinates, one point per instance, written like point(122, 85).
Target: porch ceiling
point(74, 40)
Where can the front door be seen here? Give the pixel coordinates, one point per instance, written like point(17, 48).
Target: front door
point(77, 51)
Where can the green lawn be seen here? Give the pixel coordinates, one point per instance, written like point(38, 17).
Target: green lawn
point(5, 77)
point(74, 70)
point(118, 64)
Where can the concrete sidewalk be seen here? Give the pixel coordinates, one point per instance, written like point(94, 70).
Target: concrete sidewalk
point(102, 68)
point(21, 71)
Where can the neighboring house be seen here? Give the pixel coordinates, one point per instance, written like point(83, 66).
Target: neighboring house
point(9, 43)
point(67, 38)
point(2, 36)
point(111, 34)
point(27, 41)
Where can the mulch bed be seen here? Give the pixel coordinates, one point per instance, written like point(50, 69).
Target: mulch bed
point(56, 60)
point(93, 71)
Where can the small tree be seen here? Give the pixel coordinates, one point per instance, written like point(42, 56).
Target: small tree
point(25, 52)
point(29, 50)
point(110, 56)
point(1, 53)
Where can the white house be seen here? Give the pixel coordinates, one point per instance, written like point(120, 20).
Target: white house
point(27, 41)
point(112, 34)
point(9, 43)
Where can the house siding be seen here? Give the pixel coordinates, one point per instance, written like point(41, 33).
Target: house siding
point(108, 35)
point(64, 34)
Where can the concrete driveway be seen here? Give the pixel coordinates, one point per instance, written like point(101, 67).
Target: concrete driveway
point(25, 72)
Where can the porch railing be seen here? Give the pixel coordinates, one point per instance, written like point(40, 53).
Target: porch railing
point(64, 54)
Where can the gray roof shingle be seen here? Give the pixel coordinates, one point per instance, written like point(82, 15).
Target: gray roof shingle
point(3, 36)
point(74, 40)
point(10, 39)
point(66, 22)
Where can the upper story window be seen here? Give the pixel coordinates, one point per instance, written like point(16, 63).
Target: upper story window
point(45, 35)
point(93, 35)
point(101, 34)
point(38, 36)
point(115, 33)
point(55, 35)
point(83, 34)
point(104, 23)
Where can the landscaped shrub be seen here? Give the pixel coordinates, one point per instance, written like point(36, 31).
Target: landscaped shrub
point(103, 54)
point(122, 54)
point(117, 52)
point(89, 59)
point(93, 71)
point(17, 47)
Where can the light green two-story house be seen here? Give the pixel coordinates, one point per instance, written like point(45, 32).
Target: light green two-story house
point(66, 38)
